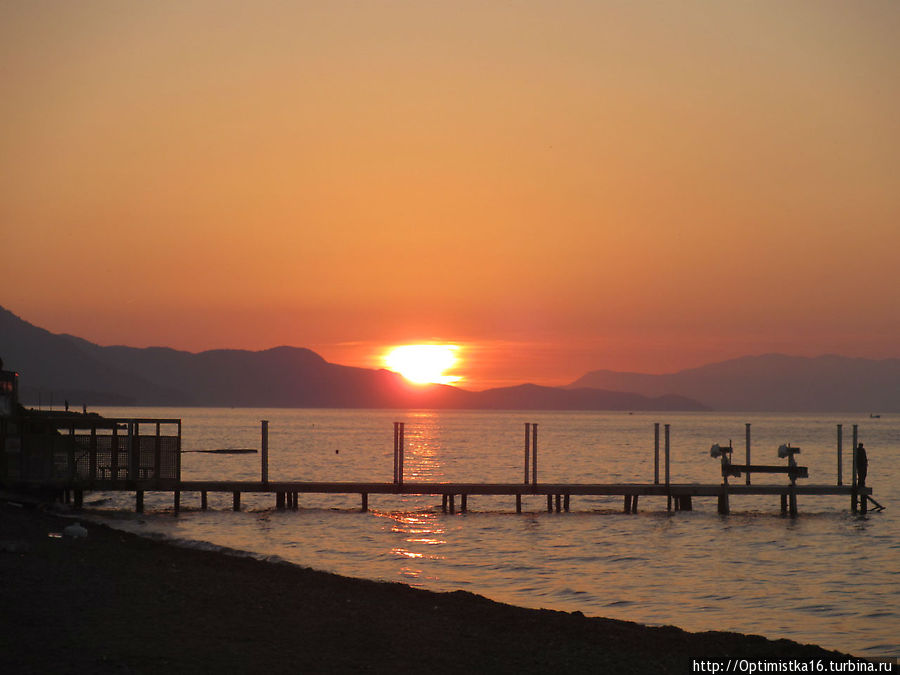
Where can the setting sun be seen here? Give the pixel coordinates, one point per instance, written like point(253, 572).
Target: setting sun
point(423, 364)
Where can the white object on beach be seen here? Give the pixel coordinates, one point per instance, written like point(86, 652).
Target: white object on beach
point(75, 530)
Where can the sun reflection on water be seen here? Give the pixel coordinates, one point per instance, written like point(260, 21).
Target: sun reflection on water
point(422, 458)
point(421, 533)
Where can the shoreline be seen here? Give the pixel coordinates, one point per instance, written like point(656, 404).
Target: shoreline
point(118, 602)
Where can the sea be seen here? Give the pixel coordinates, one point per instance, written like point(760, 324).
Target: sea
point(828, 577)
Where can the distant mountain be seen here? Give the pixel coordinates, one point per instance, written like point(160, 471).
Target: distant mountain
point(68, 367)
point(771, 382)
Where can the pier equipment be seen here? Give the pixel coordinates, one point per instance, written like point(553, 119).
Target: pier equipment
point(791, 469)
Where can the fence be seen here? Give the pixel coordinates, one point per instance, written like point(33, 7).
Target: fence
point(92, 452)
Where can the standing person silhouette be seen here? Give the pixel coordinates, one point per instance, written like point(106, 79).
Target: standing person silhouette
point(862, 465)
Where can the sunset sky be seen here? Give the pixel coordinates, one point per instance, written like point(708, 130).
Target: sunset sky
point(554, 187)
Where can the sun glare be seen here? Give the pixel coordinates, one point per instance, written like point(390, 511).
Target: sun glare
point(423, 364)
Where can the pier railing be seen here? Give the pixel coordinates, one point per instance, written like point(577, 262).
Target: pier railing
point(91, 453)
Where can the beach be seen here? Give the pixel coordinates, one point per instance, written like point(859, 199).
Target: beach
point(115, 602)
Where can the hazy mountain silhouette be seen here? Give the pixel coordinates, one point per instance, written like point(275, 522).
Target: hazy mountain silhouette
point(71, 368)
point(772, 382)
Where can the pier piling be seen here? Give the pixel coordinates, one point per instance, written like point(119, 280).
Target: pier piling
point(656, 453)
point(264, 451)
point(668, 485)
point(527, 448)
point(724, 506)
point(854, 496)
point(747, 440)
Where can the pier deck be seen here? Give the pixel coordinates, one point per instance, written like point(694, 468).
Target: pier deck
point(679, 495)
point(510, 489)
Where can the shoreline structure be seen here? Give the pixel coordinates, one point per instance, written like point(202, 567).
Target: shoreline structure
point(118, 602)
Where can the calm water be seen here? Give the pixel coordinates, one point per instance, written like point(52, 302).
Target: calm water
point(827, 577)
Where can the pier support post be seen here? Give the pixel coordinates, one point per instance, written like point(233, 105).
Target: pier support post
point(627, 504)
point(558, 503)
point(139, 501)
point(723, 502)
point(402, 449)
point(463, 503)
point(566, 502)
point(854, 496)
point(634, 503)
point(668, 490)
point(399, 431)
point(279, 501)
point(747, 440)
point(365, 502)
point(863, 505)
point(527, 448)
point(549, 503)
point(177, 502)
point(656, 453)
point(518, 503)
point(444, 503)
point(792, 499)
point(534, 439)
point(236, 501)
point(203, 501)
point(452, 503)
point(264, 451)
point(784, 504)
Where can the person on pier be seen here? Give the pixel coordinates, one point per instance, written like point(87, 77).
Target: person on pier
point(862, 465)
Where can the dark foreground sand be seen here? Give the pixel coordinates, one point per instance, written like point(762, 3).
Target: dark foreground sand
point(117, 603)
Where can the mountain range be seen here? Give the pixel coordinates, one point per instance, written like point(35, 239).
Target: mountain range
point(66, 367)
point(772, 382)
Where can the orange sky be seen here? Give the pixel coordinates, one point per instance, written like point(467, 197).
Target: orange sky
point(557, 187)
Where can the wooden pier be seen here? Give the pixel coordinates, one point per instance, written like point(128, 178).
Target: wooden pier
point(679, 496)
point(77, 455)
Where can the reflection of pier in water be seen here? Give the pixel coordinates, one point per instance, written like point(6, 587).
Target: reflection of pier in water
point(68, 456)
